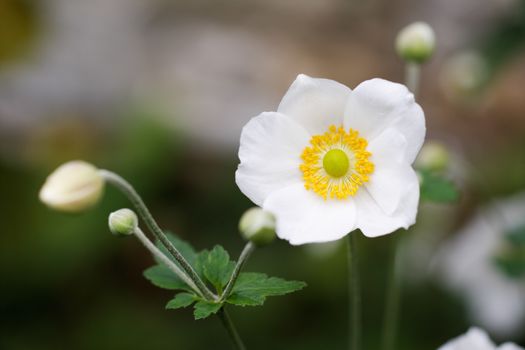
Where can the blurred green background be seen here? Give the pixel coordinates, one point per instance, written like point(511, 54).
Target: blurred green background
point(158, 91)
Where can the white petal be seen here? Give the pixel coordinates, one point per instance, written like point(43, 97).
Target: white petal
point(392, 175)
point(373, 221)
point(315, 103)
point(376, 105)
point(270, 154)
point(474, 339)
point(509, 346)
point(305, 217)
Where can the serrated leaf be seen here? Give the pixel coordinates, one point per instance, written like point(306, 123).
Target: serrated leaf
point(181, 300)
point(217, 267)
point(435, 188)
point(203, 309)
point(252, 288)
point(162, 277)
point(245, 300)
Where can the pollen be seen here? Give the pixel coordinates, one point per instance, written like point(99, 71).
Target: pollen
point(336, 164)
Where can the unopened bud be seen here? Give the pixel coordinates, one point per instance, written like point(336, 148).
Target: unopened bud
point(123, 222)
point(416, 42)
point(433, 156)
point(258, 226)
point(73, 187)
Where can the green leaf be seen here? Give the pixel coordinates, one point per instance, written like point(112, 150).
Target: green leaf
point(162, 277)
point(516, 236)
point(204, 309)
point(240, 299)
point(435, 188)
point(217, 267)
point(181, 300)
point(251, 288)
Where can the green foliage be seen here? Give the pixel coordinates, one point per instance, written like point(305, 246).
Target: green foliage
point(252, 288)
point(162, 277)
point(204, 309)
point(181, 300)
point(511, 260)
point(436, 188)
point(512, 264)
point(516, 236)
point(215, 268)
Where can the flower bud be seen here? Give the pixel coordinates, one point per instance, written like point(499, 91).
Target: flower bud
point(416, 42)
point(433, 156)
point(258, 226)
point(123, 222)
point(72, 187)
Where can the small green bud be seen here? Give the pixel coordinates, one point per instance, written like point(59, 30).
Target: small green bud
point(123, 222)
point(416, 42)
point(73, 187)
point(258, 226)
point(434, 156)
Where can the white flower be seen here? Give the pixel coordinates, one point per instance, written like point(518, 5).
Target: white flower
point(476, 339)
point(72, 187)
point(331, 160)
point(466, 263)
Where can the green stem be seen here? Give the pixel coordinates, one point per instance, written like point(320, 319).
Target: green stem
point(354, 292)
point(393, 297)
point(412, 74)
point(165, 260)
point(245, 254)
point(126, 188)
point(230, 327)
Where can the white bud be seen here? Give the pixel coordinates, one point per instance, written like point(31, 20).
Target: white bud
point(258, 226)
point(416, 42)
point(123, 222)
point(72, 187)
point(433, 156)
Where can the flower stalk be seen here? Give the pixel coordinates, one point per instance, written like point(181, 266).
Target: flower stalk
point(128, 190)
point(354, 292)
point(392, 304)
point(165, 260)
point(230, 327)
point(245, 254)
point(412, 74)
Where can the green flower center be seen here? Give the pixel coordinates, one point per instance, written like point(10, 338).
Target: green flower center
point(336, 163)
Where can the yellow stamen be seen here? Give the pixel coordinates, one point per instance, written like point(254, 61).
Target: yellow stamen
point(327, 171)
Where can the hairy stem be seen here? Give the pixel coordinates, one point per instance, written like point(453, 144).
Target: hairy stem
point(245, 254)
point(128, 190)
point(230, 327)
point(165, 260)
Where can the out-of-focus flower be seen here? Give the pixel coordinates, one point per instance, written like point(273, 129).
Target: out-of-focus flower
point(466, 263)
point(123, 222)
point(476, 339)
point(258, 226)
point(73, 187)
point(416, 42)
point(434, 156)
point(308, 162)
point(463, 75)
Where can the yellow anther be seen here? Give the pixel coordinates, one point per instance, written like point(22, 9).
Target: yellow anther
point(336, 163)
